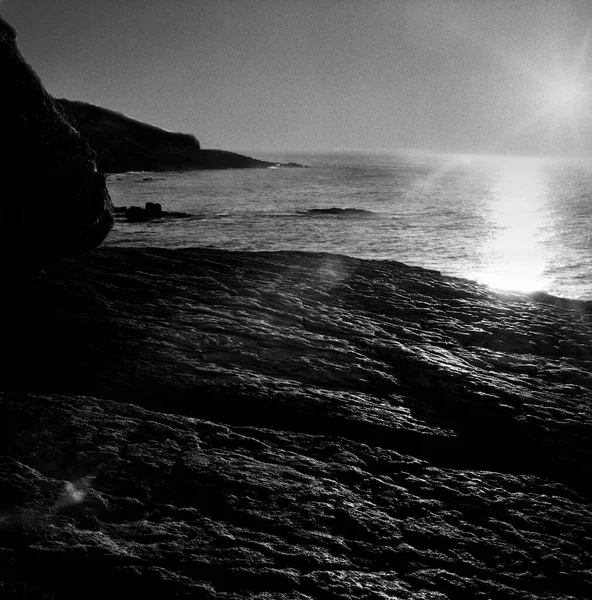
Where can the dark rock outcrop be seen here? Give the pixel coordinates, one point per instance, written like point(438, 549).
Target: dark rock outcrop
point(54, 201)
point(233, 425)
point(151, 211)
point(124, 144)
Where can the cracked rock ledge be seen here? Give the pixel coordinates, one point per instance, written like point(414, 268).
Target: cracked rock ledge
point(225, 425)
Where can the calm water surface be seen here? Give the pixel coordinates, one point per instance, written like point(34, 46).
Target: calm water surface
point(512, 223)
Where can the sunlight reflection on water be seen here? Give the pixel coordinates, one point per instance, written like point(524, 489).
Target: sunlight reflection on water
point(514, 254)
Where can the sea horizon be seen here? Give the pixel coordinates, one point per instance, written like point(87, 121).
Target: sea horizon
point(261, 153)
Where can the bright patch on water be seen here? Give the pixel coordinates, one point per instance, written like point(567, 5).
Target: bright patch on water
point(512, 223)
point(515, 252)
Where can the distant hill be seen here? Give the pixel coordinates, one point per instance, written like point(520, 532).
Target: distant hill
point(124, 144)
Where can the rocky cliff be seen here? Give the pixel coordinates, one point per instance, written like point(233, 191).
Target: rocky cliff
point(124, 144)
point(293, 426)
point(54, 201)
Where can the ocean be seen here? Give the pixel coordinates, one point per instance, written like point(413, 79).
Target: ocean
point(513, 223)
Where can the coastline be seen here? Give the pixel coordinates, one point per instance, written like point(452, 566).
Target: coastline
point(230, 425)
point(296, 423)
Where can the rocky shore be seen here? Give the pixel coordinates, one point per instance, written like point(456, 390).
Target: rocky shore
point(228, 425)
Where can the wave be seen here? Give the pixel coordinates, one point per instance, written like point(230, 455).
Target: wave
point(343, 212)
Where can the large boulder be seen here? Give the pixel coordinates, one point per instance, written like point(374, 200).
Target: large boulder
point(54, 202)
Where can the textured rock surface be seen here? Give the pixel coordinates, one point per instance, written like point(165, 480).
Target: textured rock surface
point(124, 144)
point(286, 425)
point(54, 203)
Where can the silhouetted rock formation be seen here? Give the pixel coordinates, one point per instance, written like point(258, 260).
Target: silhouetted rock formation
point(54, 202)
point(124, 144)
point(152, 210)
point(293, 425)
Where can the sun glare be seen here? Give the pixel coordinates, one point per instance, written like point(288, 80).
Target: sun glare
point(514, 257)
point(565, 98)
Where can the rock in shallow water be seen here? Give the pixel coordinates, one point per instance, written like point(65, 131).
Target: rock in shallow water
point(55, 203)
point(151, 211)
point(336, 428)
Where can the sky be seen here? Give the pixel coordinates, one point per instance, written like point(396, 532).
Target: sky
point(467, 76)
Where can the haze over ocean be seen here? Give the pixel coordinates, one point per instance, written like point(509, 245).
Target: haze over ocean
point(510, 222)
